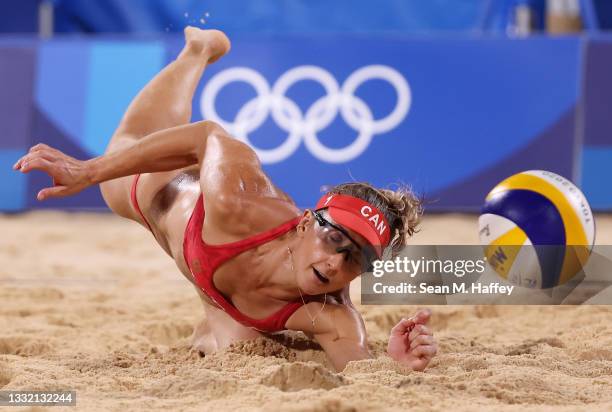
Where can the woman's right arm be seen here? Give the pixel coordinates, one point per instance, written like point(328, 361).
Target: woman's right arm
point(161, 151)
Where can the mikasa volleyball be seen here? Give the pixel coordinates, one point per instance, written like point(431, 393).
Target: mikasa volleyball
point(537, 228)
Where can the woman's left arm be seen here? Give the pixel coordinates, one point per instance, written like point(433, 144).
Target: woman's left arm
point(341, 333)
point(164, 150)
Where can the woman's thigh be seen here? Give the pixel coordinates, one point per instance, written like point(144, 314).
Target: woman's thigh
point(117, 192)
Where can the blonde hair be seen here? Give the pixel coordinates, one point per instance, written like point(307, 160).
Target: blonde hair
point(402, 208)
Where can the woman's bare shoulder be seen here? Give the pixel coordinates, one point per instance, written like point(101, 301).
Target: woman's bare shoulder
point(240, 198)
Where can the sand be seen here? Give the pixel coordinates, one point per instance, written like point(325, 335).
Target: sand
point(88, 302)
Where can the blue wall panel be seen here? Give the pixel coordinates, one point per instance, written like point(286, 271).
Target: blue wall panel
point(117, 72)
point(16, 88)
point(61, 86)
point(596, 173)
point(474, 103)
point(478, 109)
point(16, 94)
point(597, 152)
point(13, 189)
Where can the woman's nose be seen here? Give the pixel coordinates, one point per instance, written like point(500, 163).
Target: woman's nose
point(334, 262)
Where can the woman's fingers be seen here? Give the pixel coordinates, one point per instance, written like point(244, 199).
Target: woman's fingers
point(403, 326)
point(423, 355)
point(406, 325)
point(39, 150)
point(39, 146)
point(67, 173)
point(419, 330)
point(422, 316)
point(29, 158)
point(422, 340)
point(19, 162)
point(51, 192)
point(428, 351)
point(38, 163)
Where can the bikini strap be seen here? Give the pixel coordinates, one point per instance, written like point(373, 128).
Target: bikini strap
point(218, 254)
point(135, 202)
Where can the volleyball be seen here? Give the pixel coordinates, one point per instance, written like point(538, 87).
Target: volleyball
point(537, 229)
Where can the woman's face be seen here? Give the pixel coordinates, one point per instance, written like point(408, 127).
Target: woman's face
point(329, 256)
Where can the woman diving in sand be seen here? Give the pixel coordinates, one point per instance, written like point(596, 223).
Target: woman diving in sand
point(259, 264)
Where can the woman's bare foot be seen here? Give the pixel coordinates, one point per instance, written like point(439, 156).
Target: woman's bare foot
point(212, 43)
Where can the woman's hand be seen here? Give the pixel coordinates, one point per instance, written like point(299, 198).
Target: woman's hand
point(411, 343)
point(69, 175)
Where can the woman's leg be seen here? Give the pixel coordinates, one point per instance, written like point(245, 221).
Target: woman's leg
point(164, 102)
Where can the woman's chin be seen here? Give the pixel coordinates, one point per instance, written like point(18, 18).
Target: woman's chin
point(312, 286)
point(310, 290)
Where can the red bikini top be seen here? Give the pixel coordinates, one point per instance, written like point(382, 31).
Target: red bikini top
point(203, 259)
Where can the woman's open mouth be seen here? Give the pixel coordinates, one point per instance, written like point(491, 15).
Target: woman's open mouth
point(320, 276)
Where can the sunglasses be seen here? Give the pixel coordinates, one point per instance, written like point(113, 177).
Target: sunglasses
point(362, 257)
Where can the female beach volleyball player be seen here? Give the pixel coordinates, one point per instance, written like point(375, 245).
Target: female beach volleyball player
point(211, 207)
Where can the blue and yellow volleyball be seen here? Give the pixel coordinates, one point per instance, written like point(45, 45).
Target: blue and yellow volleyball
point(537, 229)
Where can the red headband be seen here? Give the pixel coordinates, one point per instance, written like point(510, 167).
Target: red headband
point(360, 216)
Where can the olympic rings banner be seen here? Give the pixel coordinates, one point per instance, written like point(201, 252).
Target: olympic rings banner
point(450, 117)
point(272, 101)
